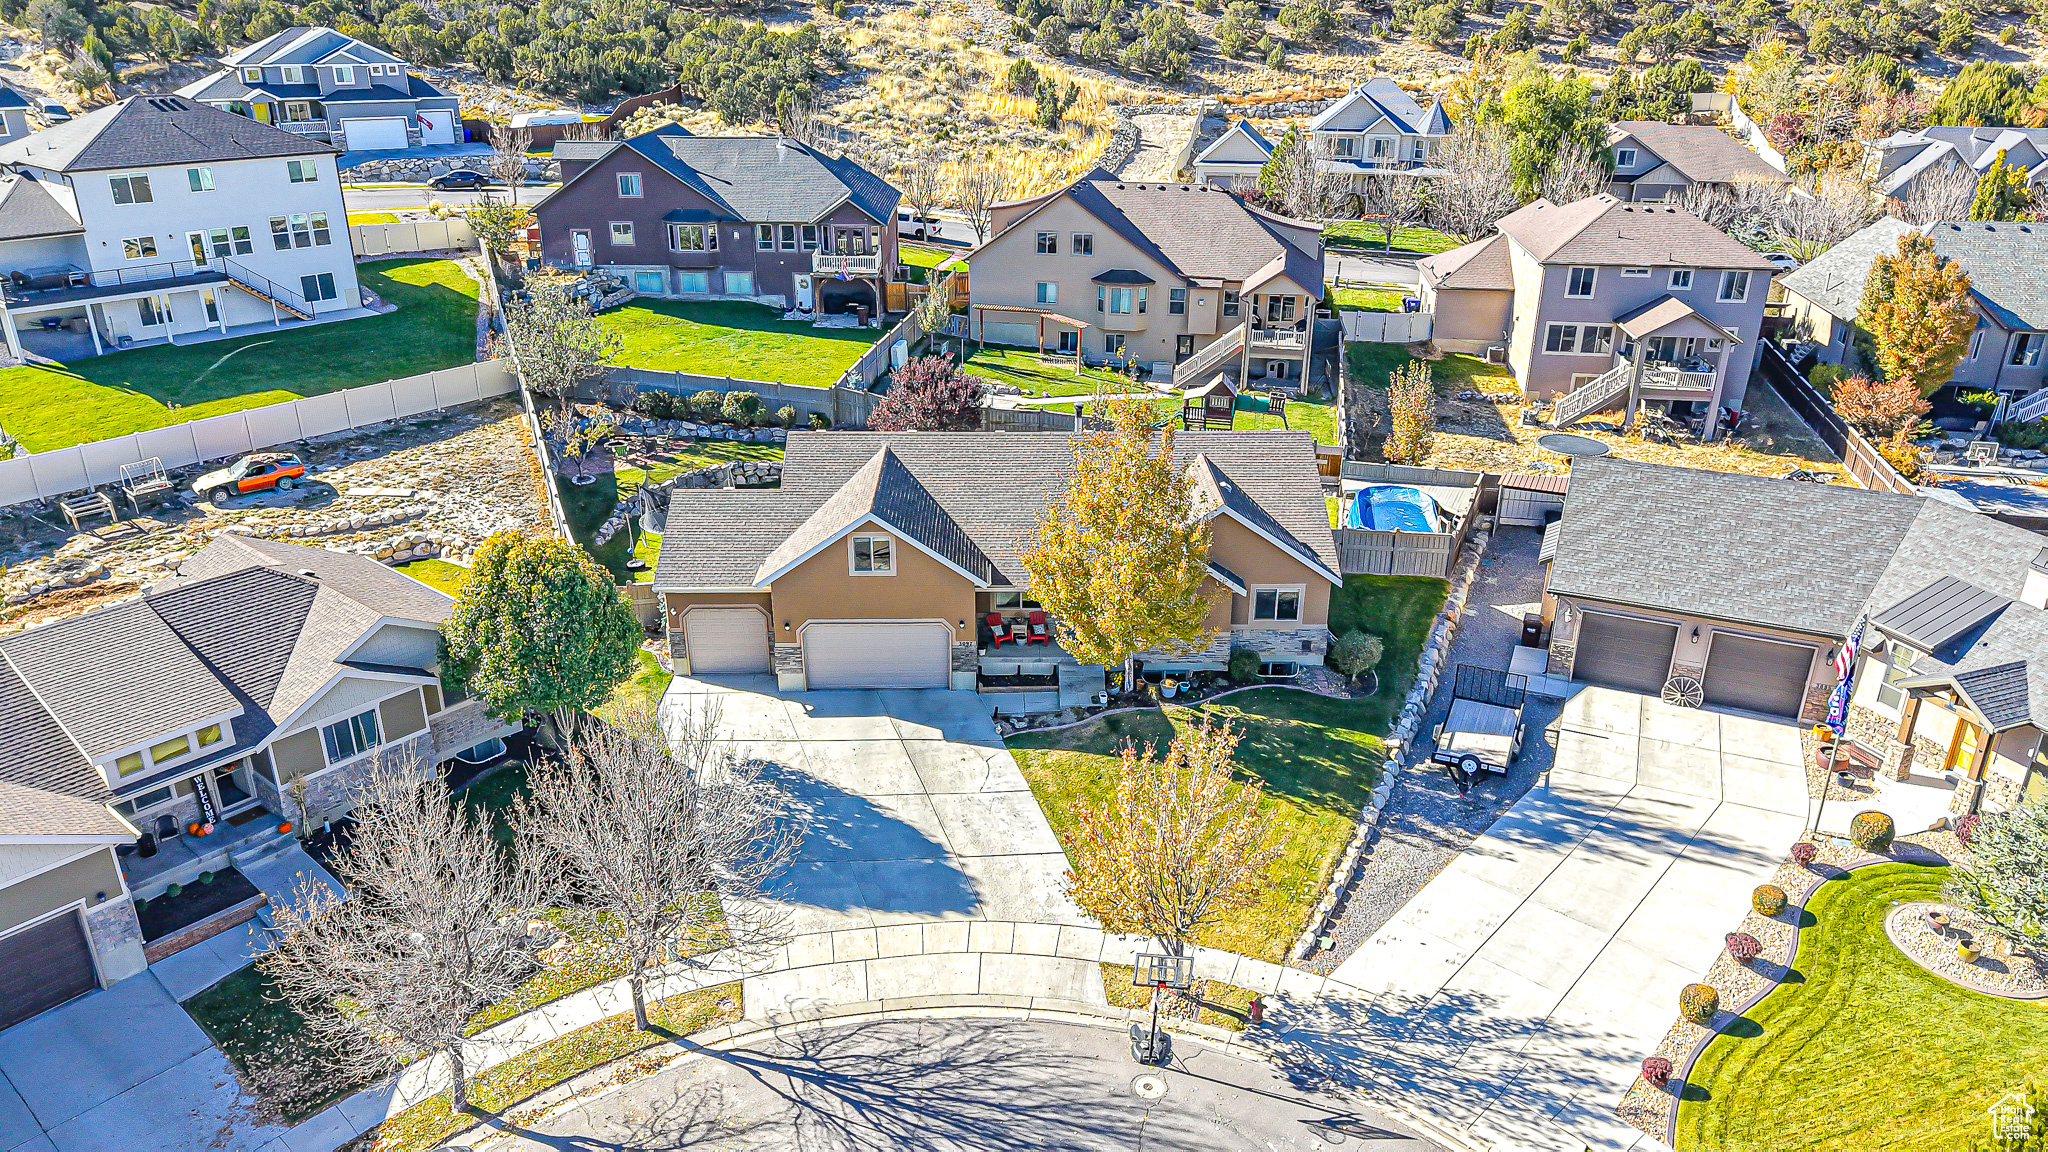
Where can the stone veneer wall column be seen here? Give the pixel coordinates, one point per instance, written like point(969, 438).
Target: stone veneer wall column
point(116, 938)
point(1879, 733)
point(789, 667)
point(461, 726)
point(1815, 708)
point(333, 793)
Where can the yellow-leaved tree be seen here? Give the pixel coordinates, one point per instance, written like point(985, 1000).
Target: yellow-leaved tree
point(1120, 560)
point(1916, 307)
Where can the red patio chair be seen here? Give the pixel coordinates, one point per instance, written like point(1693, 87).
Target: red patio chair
point(1000, 630)
point(1041, 630)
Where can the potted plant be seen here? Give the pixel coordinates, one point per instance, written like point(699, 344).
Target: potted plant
point(1967, 954)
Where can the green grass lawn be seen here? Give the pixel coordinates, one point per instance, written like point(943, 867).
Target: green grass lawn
point(47, 407)
point(493, 794)
point(645, 688)
point(1862, 1048)
point(729, 338)
point(1370, 364)
point(1367, 299)
point(1367, 234)
point(587, 505)
point(1319, 758)
point(373, 217)
point(267, 1039)
point(1052, 376)
point(437, 574)
point(920, 256)
point(1306, 414)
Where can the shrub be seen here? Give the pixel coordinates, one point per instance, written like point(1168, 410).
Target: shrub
point(1244, 665)
point(1055, 36)
point(1872, 832)
point(1901, 456)
point(1022, 78)
point(1804, 852)
point(656, 405)
point(1698, 1003)
point(820, 421)
point(706, 404)
point(1966, 828)
point(786, 416)
point(1767, 899)
point(741, 407)
point(1277, 58)
point(1355, 652)
point(839, 10)
point(2007, 34)
point(1824, 376)
point(1743, 947)
point(1657, 1071)
point(174, 890)
point(206, 877)
point(2013, 434)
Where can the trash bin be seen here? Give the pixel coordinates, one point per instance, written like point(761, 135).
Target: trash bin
point(860, 315)
point(1532, 630)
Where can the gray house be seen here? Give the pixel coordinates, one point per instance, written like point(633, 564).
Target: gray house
point(320, 83)
point(1654, 161)
point(1903, 158)
point(13, 114)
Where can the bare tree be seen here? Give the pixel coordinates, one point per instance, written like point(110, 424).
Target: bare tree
point(980, 186)
point(1747, 209)
point(1299, 182)
point(1576, 171)
point(922, 180)
point(1813, 220)
point(1944, 193)
point(667, 838)
point(1397, 200)
point(434, 927)
point(796, 116)
point(1477, 187)
point(507, 161)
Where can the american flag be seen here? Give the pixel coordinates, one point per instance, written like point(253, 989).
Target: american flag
point(1845, 679)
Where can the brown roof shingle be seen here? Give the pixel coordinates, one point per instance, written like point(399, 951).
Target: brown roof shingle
point(1603, 230)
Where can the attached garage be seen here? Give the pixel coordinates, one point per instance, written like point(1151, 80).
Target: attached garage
point(42, 966)
point(374, 135)
point(437, 126)
point(728, 641)
point(1758, 675)
point(1623, 652)
point(902, 654)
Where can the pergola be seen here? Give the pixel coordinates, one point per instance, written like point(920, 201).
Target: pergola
point(981, 326)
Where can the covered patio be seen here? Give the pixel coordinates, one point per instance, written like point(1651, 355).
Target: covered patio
point(1080, 327)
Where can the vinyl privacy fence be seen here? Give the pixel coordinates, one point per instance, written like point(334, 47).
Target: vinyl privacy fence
point(42, 475)
point(1387, 327)
point(420, 236)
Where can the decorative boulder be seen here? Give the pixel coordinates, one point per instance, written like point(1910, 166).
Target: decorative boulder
point(1767, 899)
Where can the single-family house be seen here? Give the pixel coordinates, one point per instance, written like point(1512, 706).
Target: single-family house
point(2008, 267)
point(1902, 158)
point(156, 217)
point(1655, 161)
point(890, 560)
point(1187, 278)
point(1233, 160)
point(14, 109)
point(760, 218)
point(322, 84)
point(1601, 304)
point(1951, 607)
point(1376, 128)
point(260, 685)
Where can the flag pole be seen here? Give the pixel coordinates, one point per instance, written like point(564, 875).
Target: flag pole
point(1844, 691)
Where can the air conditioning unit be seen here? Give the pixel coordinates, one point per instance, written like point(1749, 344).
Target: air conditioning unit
point(1496, 354)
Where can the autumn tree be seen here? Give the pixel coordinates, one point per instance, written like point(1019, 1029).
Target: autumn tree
point(1412, 400)
point(1293, 181)
point(557, 344)
point(922, 179)
point(1177, 847)
point(1835, 208)
point(928, 394)
point(979, 185)
point(1121, 558)
point(1477, 187)
point(1879, 408)
point(1916, 308)
point(1578, 170)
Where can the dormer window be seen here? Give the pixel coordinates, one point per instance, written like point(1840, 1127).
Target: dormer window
point(165, 751)
point(1624, 157)
point(343, 74)
point(292, 74)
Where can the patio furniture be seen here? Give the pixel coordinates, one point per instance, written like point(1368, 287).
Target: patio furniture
point(999, 631)
point(166, 827)
point(1040, 630)
point(51, 323)
point(93, 503)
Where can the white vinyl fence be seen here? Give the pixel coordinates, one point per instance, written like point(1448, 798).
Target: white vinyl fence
point(41, 475)
point(1387, 327)
point(423, 236)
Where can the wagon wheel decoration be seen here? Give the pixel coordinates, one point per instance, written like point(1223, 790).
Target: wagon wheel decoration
point(1684, 691)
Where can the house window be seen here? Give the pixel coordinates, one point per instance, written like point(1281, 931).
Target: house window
point(1229, 302)
point(1681, 279)
point(129, 764)
point(1277, 670)
point(1118, 299)
point(1276, 604)
point(208, 736)
point(1976, 342)
point(292, 75)
point(692, 238)
point(789, 237)
point(1382, 148)
point(294, 231)
point(1113, 344)
point(1141, 300)
point(1635, 271)
point(871, 556)
point(697, 282)
point(1624, 157)
point(1421, 149)
point(1596, 339)
point(629, 185)
point(138, 247)
point(352, 737)
point(2026, 349)
point(1734, 286)
point(143, 802)
point(1183, 346)
point(201, 179)
point(252, 75)
point(1048, 243)
point(648, 283)
point(165, 751)
point(1176, 301)
point(1581, 379)
point(1084, 243)
point(1280, 309)
point(739, 283)
point(764, 237)
point(810, 237)
point(1897, 666)
point(131, 189)
point(1585, 340)
point(211, 304)
point(1579, 281)
point(622, 232)
point(318, 222)
point(301, 171)
point(231, 241)
point(1344, 147)
point(343, 74)
point(1048, 292)
point(317, 287)
point(154, 311)
point(1070, 342)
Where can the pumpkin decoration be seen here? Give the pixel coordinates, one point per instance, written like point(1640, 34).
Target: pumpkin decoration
point(284, 828)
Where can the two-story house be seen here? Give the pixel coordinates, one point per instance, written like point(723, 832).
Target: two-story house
point(158, 216)
point(1601, 304)
point(760, 218)
point(1902, 158)
point(13, 113)
point(319, 83)
point(1187, 278)
point(1376, 128)
point(1655, 161)
point(2008, 268)
point(165, 736)
point(1233, 160)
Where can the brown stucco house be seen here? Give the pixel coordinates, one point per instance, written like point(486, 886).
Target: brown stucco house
point(760, 218)
point(880, 559)
point(1952, 674)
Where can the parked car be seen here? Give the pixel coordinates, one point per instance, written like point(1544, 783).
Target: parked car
point(917, 226)
point(1785, 261)
point(1483, 731)
point(459, 178)
point(252, 473)
point(53, 111)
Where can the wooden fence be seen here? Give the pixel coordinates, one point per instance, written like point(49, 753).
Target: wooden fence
point(1860, 458)
point(1372, 552)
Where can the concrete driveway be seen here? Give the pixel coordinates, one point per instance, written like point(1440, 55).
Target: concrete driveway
point(1517, 993)
point(917, 811)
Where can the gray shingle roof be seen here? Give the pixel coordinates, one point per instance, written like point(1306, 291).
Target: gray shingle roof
point(1199, 231)
point(1482, 264)
point(116, 677)
point(27, 210)
point(144, 131)
point(885, 489)
point(36, 753)
point(1834, 279)
point(1702, 153)
point(765, 178)
point(2008, 267)
point(1217, 491)
point(307, 45)
point(1603, 230)
point(2000, 692)
point(28, 811)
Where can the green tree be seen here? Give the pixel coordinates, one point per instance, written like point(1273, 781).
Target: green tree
point(1022, 78)
point(1055, 36)
point(1313, 20)
point(1541, 111)
point(58, 23)
point(497, 225)
point(1986, 93)
point(556, 343)
point(2002, 192)
point(538, 628)
point(1240, 27)
point(1916, 308)
point(1052, 103)
point(1956, 32)
point(1515, 34)
point(1437, 24)
point(1356, 653)
point(2005, 879)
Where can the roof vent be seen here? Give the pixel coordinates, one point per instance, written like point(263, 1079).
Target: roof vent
point(309, 574)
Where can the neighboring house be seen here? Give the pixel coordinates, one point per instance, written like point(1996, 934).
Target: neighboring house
point(1903, 157)
point(158, 216)
point(759, 218)
point(1233, 160)
point(1377, 128)
point(1952, 679)
point(1655, 161)
point(880, 559)
point(1185, 276)
point(2008, 268)
point(14, 109)
point(1609, 305)
point(317, 82)
point(262, 684)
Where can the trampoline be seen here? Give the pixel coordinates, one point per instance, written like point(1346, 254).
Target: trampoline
point(1391, 508)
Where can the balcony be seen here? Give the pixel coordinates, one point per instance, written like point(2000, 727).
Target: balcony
point(57, 285)
point(1693, 379)
point(1280, 334)
point(304, 127)
point(833, 263)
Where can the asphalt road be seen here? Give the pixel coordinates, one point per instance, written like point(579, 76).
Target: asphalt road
point(958, 1085)
point(1341, 265)
point(387, 199)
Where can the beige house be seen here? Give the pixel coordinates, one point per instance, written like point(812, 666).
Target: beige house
point(1185, 279)
point(1655, 161)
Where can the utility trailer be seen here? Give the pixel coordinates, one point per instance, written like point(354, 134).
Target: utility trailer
point(1483, 731)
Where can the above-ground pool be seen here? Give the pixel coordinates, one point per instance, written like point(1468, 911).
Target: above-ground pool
point(1391, 508)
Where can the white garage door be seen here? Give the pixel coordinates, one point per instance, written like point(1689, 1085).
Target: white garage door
point(374, 135)
point(877, 655)
point(437, 126)
point(1757, 675)
point(1622, 652)
point(725, 640)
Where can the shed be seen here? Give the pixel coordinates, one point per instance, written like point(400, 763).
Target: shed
point(1531, 499)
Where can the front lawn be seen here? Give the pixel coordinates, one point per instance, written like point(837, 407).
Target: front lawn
point(47, 407)
point(1319, 758)
point(588, 505)
point(437, 574)
point(1862, 1048)
point(1367, 299)
point(1370, 364)
point(1052, 376)
point(920, 256)
point(1368, 234)
point(733, 338)
point(267, 1041)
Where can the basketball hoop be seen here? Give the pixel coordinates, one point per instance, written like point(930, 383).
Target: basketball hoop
point(1157, 972)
